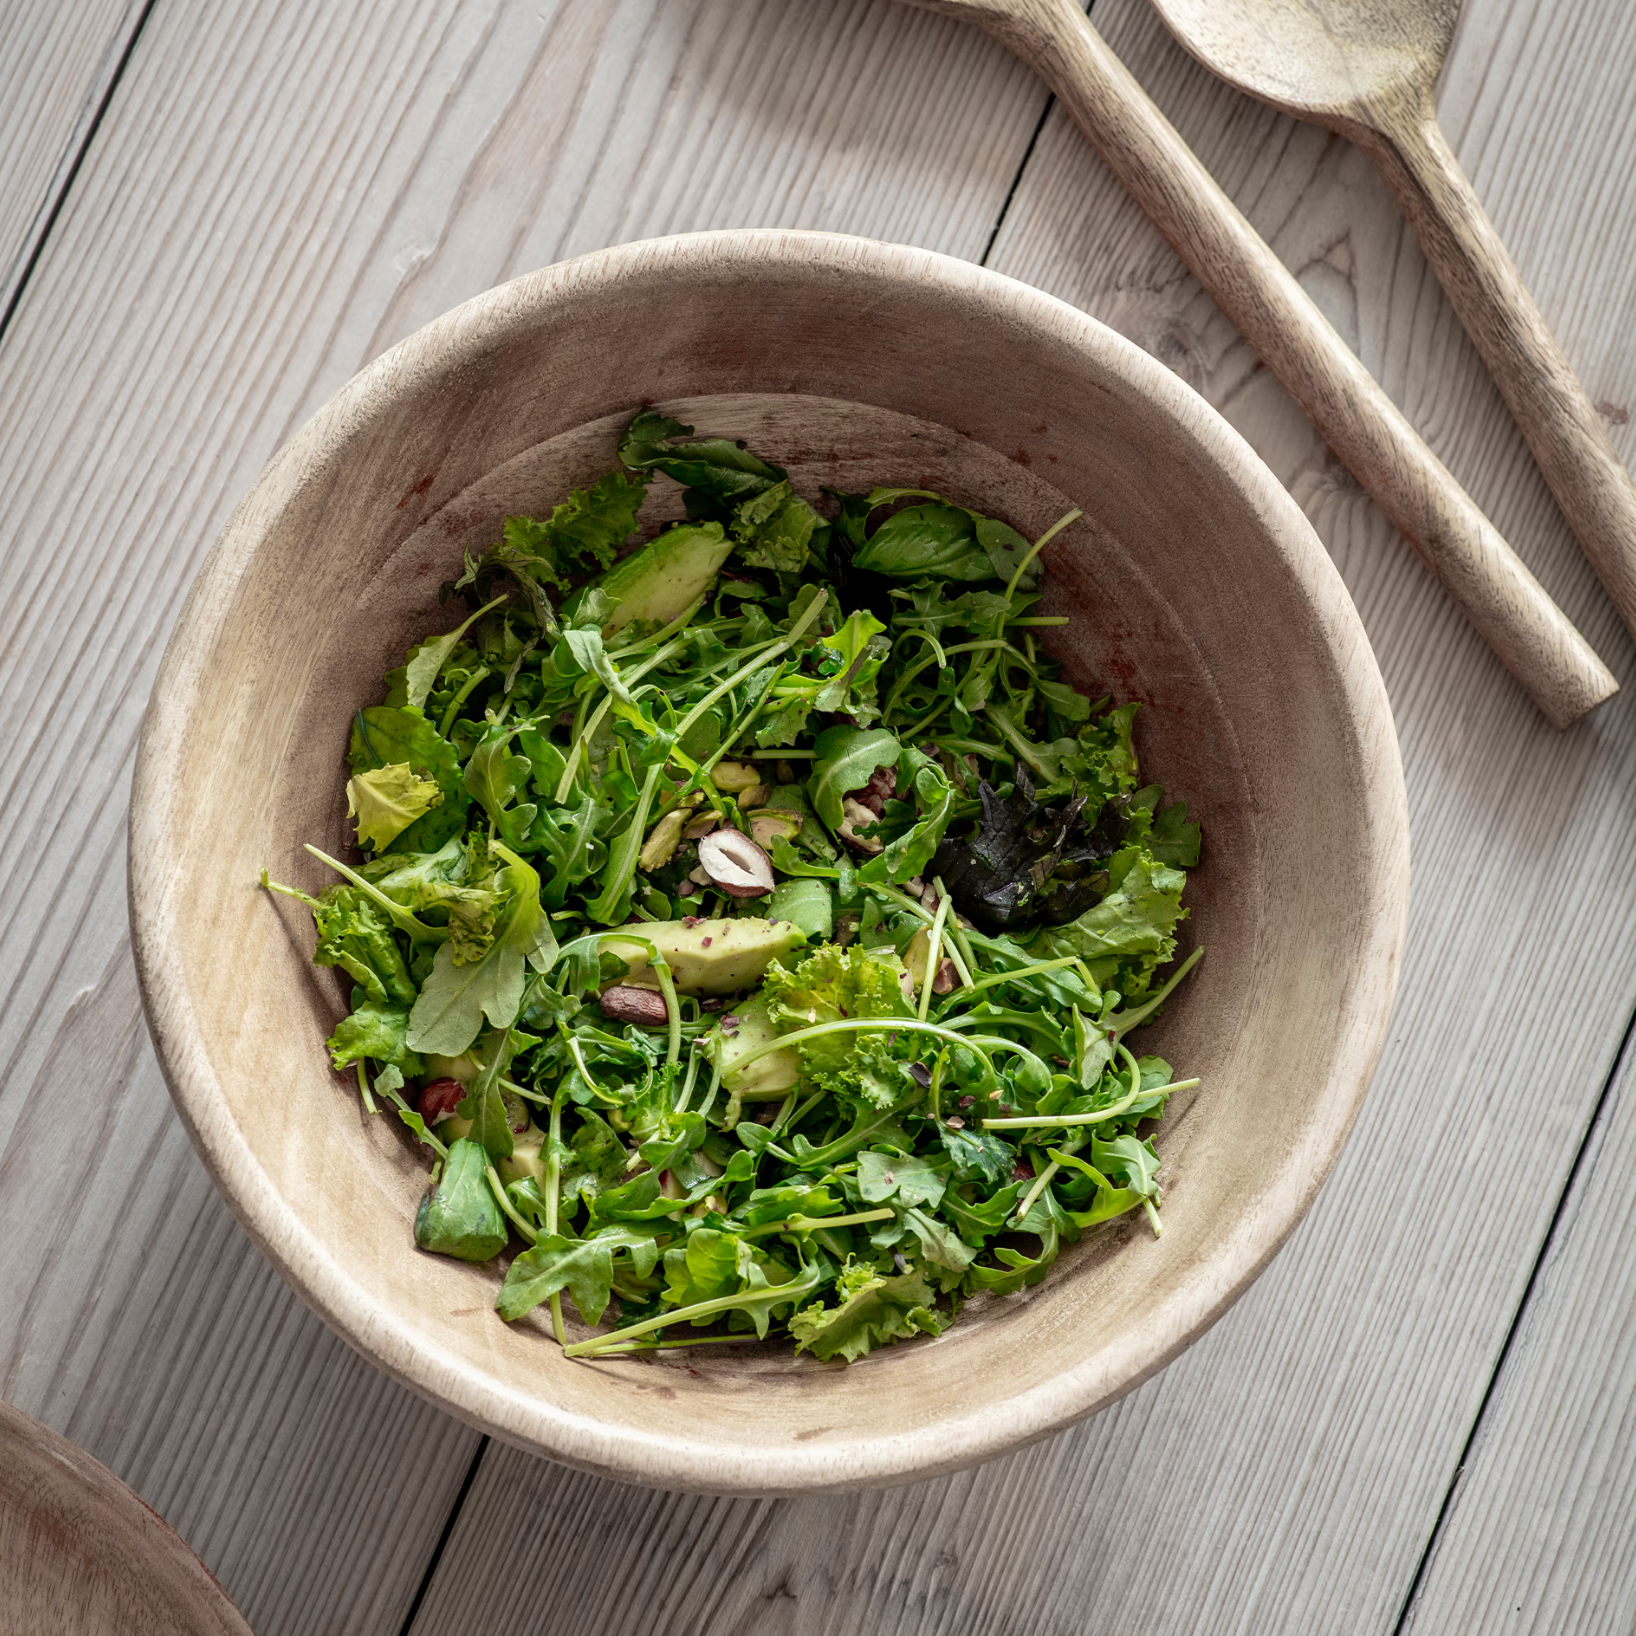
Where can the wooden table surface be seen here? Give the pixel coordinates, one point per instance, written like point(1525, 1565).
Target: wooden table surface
point(1420, 1418)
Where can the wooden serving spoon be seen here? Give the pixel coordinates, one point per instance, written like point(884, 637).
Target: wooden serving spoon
point(1525, 628)
point(1367, 69)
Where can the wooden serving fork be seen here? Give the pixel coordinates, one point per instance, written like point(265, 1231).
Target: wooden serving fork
point(1511, 611)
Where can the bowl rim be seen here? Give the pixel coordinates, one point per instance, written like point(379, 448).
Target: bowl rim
point(481, 1400)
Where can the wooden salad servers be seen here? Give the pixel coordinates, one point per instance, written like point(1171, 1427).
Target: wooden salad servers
point(1511, 611)
point(1367, 70)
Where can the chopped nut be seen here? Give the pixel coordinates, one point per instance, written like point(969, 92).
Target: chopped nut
point(755, 796)
point(440, 1099)
point(659, 847)
point(702, 826)
point(686, 889)
point(856, 816)
point(955, 1122)
point(736, 864)
point(914, 960)
point(786, 773)
point(734, 775)
point(645, 1007)
point(771, 824)
point(700, 876)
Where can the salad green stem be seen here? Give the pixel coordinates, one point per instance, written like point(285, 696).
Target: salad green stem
point(363, 1088)
point(503, 1199)
point(1039, 545)
point(1055, 1120)
point(858, 1025)
point(1121, 1022)
point(417, 931)
point(803, 1284)
point(1039, 970)
point(553, 1186)
point(934, 948)
point(446, 720)
point(808, 1224)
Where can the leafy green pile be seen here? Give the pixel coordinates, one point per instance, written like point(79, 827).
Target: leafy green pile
point(753, 926)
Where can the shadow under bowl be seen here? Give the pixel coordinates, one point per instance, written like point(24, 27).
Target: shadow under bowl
point(1193, 583)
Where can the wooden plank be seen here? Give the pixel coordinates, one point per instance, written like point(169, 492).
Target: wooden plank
point(56, 65)
point(275, 195)
point(1538, 1536)
point(1286, 1473)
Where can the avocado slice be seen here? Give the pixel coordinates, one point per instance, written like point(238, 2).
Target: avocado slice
point(709, 956)
point(527, 1156)
point(662, 579)
point(770, 1076)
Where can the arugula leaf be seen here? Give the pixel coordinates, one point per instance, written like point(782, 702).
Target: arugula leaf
point(595, 1162)
point(496, 778)
point(455, 998)
point(872, 1311)
point(459, 1215)
point(720, 471)
point(908, 1179)
point(583, 1267)
point(977, 1155)
point(852, 660)
point(420, 675)
point(906, 856)
point(843, 760)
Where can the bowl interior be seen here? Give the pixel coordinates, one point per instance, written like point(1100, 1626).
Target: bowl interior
point(1192, 583)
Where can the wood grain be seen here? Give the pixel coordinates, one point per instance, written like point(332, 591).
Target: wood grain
point(1231, 624)
point(1273, 1480)
point(274, 196)
point(1290, 334)
point(1368, 72)
point(1538, 1537)
point(56, 64)
point(82, 1555)
point(1286, 1473)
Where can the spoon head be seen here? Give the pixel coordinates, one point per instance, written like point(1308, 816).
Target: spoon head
point(1327, 60)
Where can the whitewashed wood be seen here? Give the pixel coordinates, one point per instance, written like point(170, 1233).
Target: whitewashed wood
point(56, 63)
point(1368, 72)
point(1293, 339)
point(276, 194)
point(1287, 1472)
point(1538, 1537)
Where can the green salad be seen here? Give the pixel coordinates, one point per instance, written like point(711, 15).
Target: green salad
point(751, 927)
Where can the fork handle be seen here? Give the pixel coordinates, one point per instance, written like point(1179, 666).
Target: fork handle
point(1551, 407)
point(1531, 635)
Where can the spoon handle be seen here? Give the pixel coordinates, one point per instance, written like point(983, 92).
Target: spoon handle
point(1532, 637)
point(1562, 427)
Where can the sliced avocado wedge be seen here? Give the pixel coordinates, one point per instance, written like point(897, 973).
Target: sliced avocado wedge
point(710, 956)
point(663, 579)
point(771, 1075)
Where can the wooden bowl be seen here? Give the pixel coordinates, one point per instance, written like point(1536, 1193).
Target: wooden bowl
point(81, 1555)
point(1194, 583)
